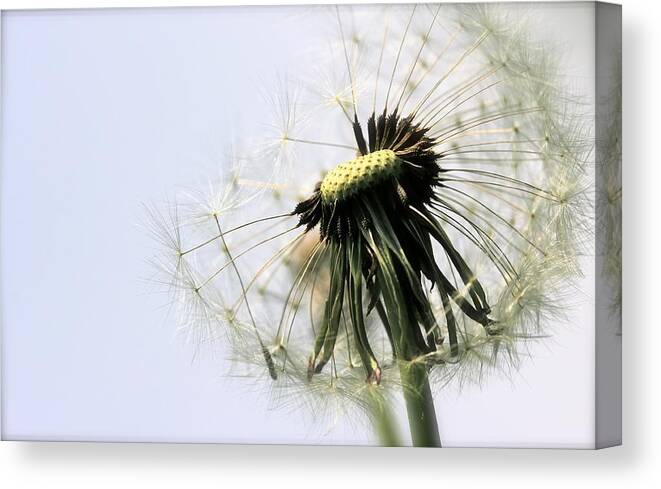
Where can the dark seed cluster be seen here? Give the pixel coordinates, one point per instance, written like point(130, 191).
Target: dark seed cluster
point(413, 187)
point(381, 241)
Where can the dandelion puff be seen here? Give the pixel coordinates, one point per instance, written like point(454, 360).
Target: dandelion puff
point(436, 243)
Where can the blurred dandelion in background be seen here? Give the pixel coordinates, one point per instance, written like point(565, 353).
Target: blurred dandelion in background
point(609, 196)
point(412, 217)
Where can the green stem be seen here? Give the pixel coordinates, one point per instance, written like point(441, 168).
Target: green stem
point(419, 405)
point(384, 422)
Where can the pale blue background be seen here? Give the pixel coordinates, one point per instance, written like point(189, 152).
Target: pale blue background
point(106, 109)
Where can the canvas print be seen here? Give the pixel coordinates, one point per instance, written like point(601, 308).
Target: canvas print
point(392, 225)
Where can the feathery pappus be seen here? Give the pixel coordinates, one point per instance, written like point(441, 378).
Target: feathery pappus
point(444, 206)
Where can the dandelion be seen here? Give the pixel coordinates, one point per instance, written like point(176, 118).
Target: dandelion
point(440, 237)
point(609, 198)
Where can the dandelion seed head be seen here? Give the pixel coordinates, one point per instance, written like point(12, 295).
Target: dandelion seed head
point(447, 238)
